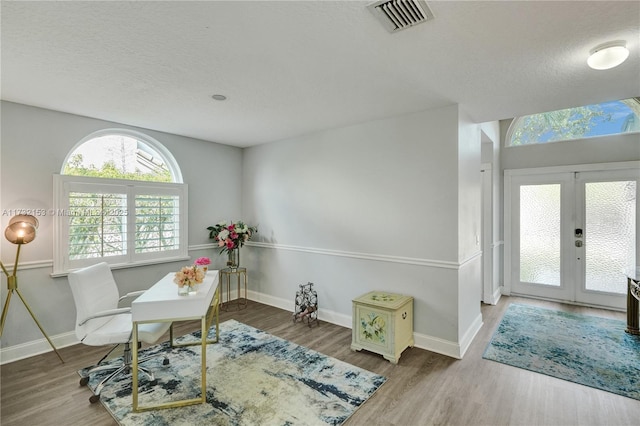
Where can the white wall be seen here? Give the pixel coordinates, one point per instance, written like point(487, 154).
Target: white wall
point(35, 142)
point(373, 206)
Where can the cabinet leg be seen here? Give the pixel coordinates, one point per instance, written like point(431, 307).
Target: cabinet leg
point(633, 314)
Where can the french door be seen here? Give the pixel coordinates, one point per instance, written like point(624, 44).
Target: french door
point(571, 235)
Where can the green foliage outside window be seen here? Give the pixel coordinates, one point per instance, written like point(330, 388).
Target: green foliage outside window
point(573, 123)
point(607, 118)
point(109, 170)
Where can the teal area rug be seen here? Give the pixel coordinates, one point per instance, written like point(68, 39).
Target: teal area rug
point(589, 350)
point(253, 378)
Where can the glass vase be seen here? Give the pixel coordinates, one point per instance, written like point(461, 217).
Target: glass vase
point(233, 259)
point(187, 290)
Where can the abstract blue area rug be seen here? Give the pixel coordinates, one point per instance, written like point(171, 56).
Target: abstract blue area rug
point(584, 349)
point(253, 378)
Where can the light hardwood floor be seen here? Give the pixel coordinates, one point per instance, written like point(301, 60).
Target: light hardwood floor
point(423, 389)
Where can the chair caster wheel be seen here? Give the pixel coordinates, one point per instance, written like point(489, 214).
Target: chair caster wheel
point(165, 361)
point(94, 399)
point(84, 381)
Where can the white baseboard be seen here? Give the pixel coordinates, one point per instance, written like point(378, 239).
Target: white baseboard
point(437, 345)
point(288, 305)
point(470, 334)
point(493, 298)
point(422, 341)
point(496, 296)
point(36, 347)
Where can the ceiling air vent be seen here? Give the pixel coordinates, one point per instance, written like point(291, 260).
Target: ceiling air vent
point(397, 15)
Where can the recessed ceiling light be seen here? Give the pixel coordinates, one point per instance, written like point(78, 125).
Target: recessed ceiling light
point(219, 97)
point(608, 55)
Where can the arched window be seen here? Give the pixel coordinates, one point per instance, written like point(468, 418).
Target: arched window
point(120, 199)
point(123, 154)
point(607, 118)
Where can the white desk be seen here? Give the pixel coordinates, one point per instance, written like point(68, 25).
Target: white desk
point(161, 303)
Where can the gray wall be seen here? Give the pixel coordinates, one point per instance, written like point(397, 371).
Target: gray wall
point(388, 205)
point(392, 205)
point(35, 143)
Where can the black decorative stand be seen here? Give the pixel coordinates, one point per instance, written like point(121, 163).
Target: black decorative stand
point(306, 309)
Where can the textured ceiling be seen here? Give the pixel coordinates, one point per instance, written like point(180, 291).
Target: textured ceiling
point(294, 67)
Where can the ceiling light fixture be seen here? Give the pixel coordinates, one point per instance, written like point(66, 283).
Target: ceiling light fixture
point(219, 97)
point(608, 55)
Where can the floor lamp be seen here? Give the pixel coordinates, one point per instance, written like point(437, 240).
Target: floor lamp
point(21, 230)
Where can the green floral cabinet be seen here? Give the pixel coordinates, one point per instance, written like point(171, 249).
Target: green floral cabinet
point(382, 323)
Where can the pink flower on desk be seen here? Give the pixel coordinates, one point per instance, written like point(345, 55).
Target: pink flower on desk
point(202, 261)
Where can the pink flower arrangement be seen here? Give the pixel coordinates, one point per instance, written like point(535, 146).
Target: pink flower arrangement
point(230, 237)
point(189, 276)
point(202, 261)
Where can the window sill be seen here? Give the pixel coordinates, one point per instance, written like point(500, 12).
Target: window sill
point(57, 274)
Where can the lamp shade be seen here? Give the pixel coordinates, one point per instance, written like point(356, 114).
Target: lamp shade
point(20, 233)
point(24, 218)
point(608, 55)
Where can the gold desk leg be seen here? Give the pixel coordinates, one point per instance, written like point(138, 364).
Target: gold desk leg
point(134, 367)
point(214, 310)
point(205, 324)
point(203, 356)
point(137, 408)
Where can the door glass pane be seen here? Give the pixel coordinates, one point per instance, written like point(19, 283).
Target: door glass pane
point(540, 234)
point(610, 246)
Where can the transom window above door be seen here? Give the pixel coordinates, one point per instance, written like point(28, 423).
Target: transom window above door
point(603, 119)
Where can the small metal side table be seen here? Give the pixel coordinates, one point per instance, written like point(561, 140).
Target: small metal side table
point(227, 276)
point(633, 296)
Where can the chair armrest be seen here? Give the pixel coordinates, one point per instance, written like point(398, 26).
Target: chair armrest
point(132, 294)
point(107, 313)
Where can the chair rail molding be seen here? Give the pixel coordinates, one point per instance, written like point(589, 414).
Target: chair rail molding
point(367, 256)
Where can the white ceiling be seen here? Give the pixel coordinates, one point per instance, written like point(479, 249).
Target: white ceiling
point(294, 67)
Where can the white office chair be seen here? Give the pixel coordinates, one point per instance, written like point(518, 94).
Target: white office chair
point(99, 321)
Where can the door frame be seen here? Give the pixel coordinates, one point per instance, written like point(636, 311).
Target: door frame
point(487, 234)
point(510, 174)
